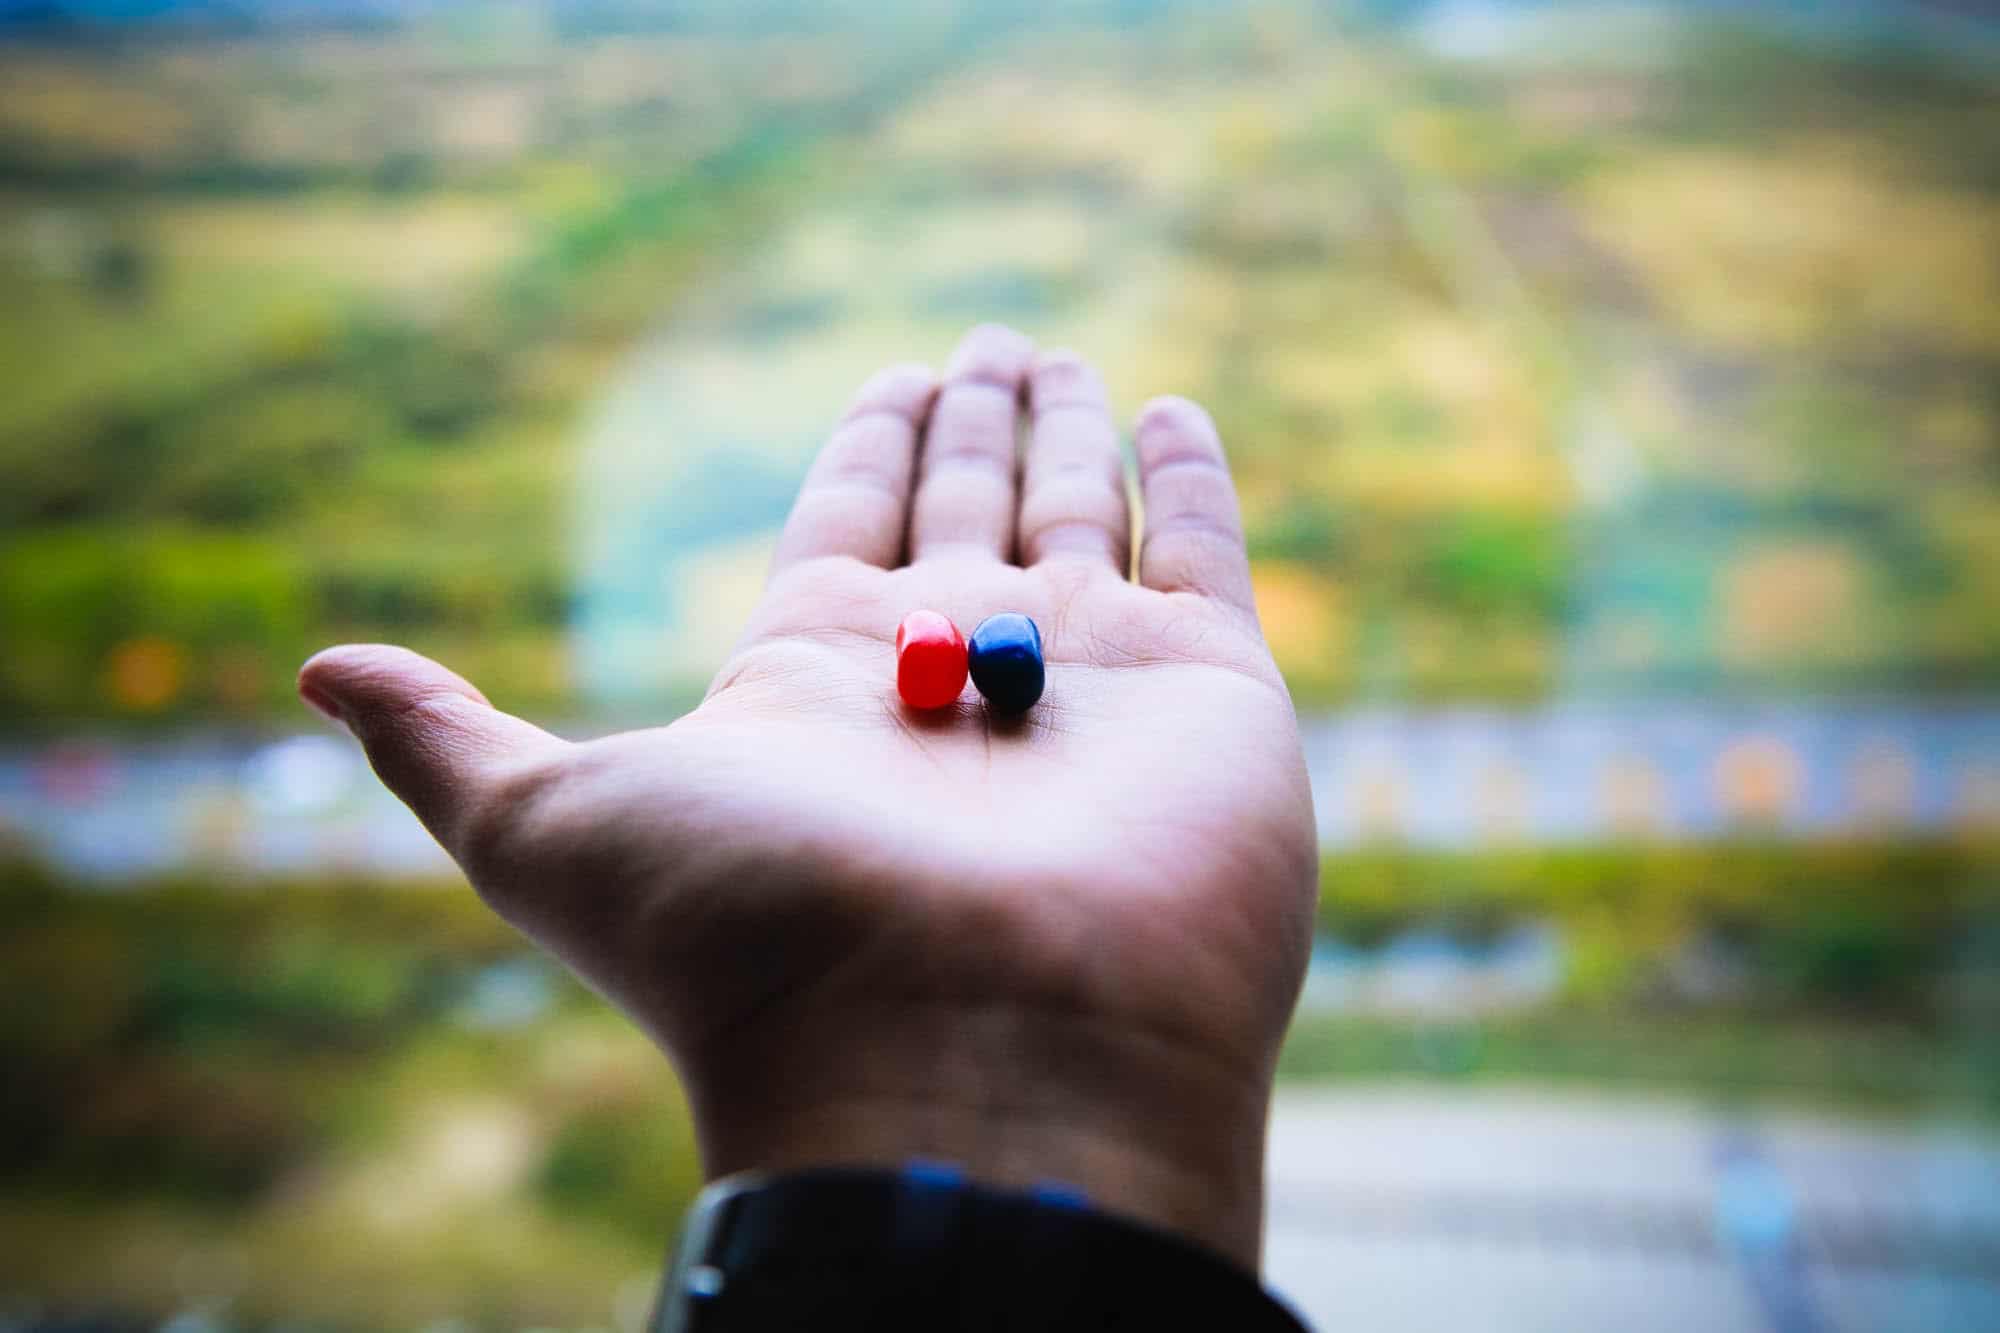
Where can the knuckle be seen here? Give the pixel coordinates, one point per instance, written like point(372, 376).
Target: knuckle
point(1190, 491)
point(1095, 463)
point(411, 739)
point(972, 451)
point(1073, 497)
point(859, 462)
point(1200, 528)
point(505, 829)
point(1074, 536)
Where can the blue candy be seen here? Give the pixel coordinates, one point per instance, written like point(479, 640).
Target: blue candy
point(1005, 655)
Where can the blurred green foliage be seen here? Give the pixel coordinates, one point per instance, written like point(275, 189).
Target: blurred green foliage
point(189, 1040)
point(1868, 927)
point(244, 458)
point(1863, 973)
point(1877, 1066)
point(291, 295)
point(283, 1060)
point(308, 1069)
point(626, 1166)
point(199, 1043)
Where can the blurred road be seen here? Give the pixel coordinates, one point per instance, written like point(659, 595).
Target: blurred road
point(217, 800)
point(1506, 1210)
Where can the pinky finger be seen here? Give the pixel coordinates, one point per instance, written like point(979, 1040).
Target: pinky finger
point(1193, 532)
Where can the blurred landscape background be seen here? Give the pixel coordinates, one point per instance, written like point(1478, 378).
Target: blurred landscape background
point(1615, 397)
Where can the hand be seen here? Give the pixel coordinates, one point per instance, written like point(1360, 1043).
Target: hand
point(1057, 948)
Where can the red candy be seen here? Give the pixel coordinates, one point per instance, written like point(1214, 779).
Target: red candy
point(930, 660)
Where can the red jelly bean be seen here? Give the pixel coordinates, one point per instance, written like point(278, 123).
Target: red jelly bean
point(930, 660)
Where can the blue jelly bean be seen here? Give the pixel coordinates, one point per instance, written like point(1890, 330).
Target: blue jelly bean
point(1005, 655)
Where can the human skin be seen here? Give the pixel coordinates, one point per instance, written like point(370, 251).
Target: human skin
point(1058, 948)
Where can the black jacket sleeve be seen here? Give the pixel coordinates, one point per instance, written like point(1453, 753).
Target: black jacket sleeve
point(836, 1250)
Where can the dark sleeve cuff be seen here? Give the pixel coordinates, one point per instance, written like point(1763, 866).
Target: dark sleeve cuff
point(835, 1249)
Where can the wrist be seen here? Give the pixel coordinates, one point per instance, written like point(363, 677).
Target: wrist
point(1148, 1127)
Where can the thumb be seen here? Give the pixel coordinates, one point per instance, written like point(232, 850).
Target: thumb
point(432, 738)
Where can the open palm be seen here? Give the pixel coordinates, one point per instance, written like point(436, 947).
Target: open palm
point(1063, 945)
